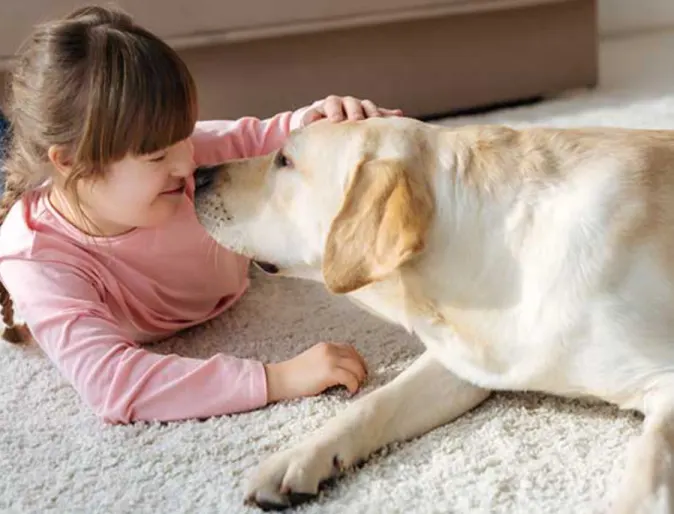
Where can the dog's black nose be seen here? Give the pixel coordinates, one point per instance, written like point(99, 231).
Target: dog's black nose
point(204, 175)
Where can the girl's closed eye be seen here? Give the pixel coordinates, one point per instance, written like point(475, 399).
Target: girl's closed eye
point(157, 156)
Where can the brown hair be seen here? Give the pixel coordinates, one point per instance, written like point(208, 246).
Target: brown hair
point(101, 87)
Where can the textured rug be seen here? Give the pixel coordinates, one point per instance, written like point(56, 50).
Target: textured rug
point(515, 453)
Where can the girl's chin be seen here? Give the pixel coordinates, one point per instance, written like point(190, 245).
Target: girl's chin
point(166, 209)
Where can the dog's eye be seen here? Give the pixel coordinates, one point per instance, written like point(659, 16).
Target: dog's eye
point(282, 161)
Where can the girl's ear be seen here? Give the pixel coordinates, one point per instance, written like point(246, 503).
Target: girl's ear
point(60, 158)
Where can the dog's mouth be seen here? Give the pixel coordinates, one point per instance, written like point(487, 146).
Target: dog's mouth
point(267, 267)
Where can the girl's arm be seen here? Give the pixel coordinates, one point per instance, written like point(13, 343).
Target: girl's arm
point(119, 381)
point(217, 141)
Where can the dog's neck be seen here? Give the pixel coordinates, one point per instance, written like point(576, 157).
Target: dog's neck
point(484, 210)
point(466, 266)
point(474, 237)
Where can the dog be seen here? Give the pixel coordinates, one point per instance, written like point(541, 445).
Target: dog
point(539, 259)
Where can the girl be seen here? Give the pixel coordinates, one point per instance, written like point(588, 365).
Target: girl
point(100, 249)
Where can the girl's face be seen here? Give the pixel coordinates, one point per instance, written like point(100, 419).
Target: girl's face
point(138, 191)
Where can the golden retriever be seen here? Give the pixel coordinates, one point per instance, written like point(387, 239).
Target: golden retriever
point(539, 259)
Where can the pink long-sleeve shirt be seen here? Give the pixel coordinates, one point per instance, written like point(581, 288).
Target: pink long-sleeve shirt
point(91, 304)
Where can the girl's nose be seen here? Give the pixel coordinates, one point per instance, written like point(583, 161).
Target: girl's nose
point(185, 164)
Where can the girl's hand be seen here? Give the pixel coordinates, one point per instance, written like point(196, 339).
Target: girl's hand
point(337, 108)
point(322, 366)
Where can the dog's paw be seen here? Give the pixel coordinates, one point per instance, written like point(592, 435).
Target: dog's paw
point(292, 477)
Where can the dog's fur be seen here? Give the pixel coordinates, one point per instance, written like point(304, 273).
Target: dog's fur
point(538, 259)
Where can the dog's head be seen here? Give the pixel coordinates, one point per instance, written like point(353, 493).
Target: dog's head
point(347, 203)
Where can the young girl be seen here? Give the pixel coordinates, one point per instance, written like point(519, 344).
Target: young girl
point(100, 249)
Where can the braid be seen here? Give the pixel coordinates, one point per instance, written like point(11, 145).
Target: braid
point(11, 333)
point(16, 184)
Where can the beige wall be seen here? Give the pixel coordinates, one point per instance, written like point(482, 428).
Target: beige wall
point(625, 16)
point(189, 23)
point(448, 55)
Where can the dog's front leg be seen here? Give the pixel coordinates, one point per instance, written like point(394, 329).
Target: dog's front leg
point(424, 396)
point(648, 483)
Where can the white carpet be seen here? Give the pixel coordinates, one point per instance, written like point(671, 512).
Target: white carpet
point(515, 453)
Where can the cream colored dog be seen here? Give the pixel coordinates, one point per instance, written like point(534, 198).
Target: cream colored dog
point(537, 260)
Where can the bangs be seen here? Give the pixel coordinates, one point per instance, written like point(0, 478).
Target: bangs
point(142, 97)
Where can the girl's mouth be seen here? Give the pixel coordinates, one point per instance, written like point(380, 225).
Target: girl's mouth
point(175, 191)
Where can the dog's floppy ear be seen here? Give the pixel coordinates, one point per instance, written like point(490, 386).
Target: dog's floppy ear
point(382, 224)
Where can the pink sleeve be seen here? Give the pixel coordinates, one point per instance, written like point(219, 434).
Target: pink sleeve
point(222, 140)
point(117, 380)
